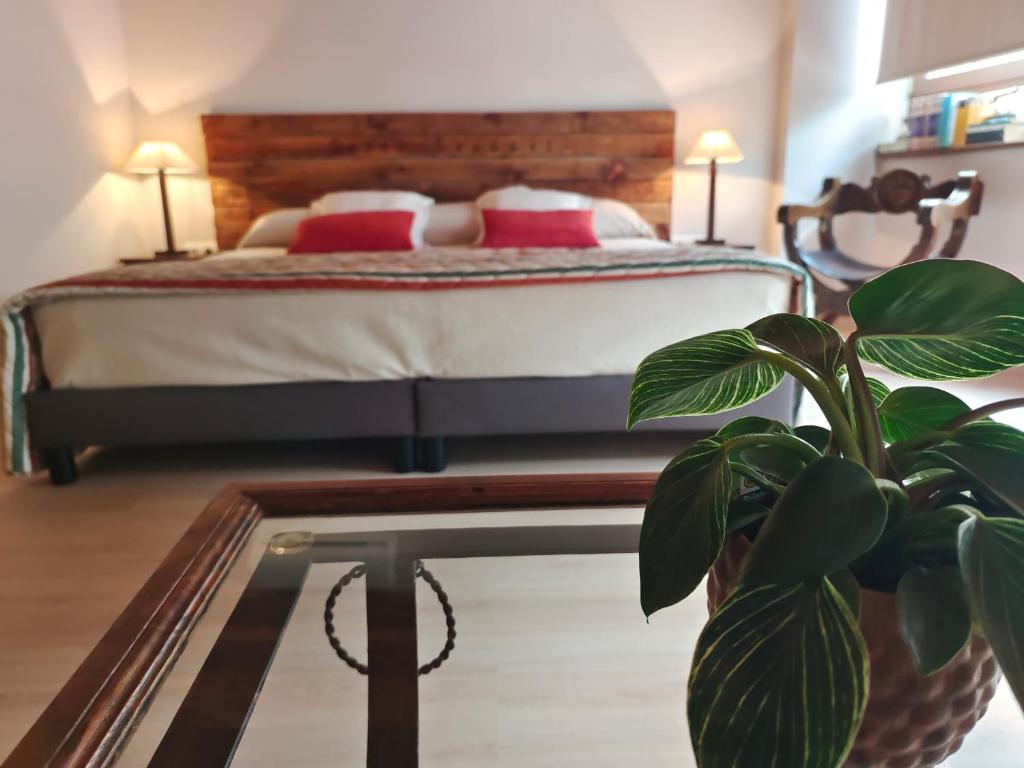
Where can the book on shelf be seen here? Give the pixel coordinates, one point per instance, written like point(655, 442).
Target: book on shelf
point(989, 132)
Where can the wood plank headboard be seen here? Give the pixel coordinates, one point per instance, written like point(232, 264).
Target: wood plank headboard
point(258, 163)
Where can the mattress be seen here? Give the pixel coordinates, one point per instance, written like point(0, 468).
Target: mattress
point(577, 329)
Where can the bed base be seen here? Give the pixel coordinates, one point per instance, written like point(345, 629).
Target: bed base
point(60, 463)
point(418, 415)
point(433, 454)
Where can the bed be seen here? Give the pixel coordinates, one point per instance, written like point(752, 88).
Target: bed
point(250, 345)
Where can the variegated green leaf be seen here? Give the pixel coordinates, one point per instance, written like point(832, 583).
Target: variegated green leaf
point(779, 678)
point(919, 539)
point(817, 436)
point(848, 587)
point(941, 319)
point(753, 425)
point(768, 460)
point(743, 512)
point(815, 344)
point(828, 516)
point(706, 374)
point(993, 454)
point(879, 390)
point(684, 524)
point(934, 617)
point(989, 434)
point(776, 464)
point(909, 412)
point(992, 561)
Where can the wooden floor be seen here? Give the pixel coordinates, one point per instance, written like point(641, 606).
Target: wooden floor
point(71, 558)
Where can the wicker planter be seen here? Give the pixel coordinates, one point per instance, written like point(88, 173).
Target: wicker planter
point(911, 721)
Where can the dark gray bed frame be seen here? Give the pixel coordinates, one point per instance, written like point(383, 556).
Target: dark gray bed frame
point(260, 162)
point(418, 415)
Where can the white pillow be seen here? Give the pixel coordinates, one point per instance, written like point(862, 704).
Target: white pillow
point(521, 198)
point(274, 229)
point(614, 219)
point(379, 200)
point(452, 224)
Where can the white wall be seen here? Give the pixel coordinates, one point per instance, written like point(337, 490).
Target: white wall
point(717, 63)
point(67, 123)
point(837, 114)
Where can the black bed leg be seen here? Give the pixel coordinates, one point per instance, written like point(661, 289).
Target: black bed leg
point(61, 464)
point(433, 457)
point(405, 454)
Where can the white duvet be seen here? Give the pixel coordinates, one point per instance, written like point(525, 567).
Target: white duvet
point(577, 329)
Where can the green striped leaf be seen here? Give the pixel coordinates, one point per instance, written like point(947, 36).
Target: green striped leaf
point(828, 516)
point(779, 677)
point(768, 460)
point(879, 390)
point(774, 463)
point(928, 540)
point(910, 412)
point(684, 524)
point(753, 425)
point(934, 617)
point(817, 436)
point(815, 344)
point(992, 435)
point(742, 512)
point(941, 319)
point(706, 374)
point(848, 587)
point(992, 562)
point(992, 453)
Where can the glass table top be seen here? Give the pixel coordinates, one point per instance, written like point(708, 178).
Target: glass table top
point(553, 662)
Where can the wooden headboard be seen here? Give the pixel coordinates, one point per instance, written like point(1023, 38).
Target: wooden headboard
point(258, 163)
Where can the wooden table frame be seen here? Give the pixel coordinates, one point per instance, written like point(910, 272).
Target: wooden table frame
point(89, 720)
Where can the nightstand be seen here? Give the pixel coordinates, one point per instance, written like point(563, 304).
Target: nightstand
point(131, 261)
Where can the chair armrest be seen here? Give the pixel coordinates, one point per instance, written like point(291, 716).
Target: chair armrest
point(821, 208)
point(963, 202)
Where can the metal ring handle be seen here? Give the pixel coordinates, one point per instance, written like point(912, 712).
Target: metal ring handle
point(358, 572)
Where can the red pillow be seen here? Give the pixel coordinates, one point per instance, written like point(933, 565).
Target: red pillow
point(357, 231)
point(538, 229)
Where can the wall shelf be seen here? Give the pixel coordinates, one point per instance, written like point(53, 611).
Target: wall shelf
point(934, 151)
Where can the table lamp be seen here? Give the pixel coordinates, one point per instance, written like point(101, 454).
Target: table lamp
point(713, 147)
point(162, 158)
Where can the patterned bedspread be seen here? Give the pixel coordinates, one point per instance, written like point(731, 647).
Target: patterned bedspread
point(441, 269)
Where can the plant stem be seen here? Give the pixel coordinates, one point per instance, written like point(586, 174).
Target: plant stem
point(801, 448)
point(896, 500)
point(836, 390)
point(864, 409)
point(983, 411)
point(755, 477)
point(833, 411)
point(924, 439)
point(941, 435)
point(923, 487)
point(967, 511)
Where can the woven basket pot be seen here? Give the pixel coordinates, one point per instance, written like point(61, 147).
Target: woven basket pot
point(911, 721)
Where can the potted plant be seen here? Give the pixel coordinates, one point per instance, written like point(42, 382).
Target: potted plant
point(904, 519)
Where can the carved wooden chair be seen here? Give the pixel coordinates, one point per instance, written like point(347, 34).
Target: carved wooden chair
point(837, 274)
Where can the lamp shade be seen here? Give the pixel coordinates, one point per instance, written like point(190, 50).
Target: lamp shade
point(156, 156)
point(714, 144)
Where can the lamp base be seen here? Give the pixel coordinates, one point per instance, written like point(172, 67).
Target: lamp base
point(170, 255)
point(710, 241)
